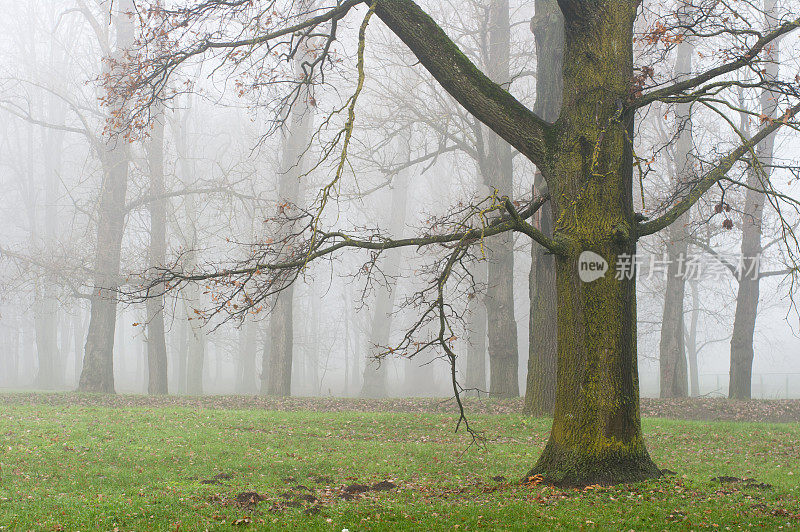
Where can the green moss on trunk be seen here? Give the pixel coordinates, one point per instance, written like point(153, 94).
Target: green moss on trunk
point(596, 435)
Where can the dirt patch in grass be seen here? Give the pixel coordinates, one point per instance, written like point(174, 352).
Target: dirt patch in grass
point(217, 479)
point(700, 409)
point(745, 482)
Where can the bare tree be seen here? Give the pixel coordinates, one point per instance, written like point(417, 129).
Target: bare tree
point(672, 363)
point(586, 157)
point(277, 371)
point(375, 370)
point(758, 176)
point(156, 337)
point(97, 374)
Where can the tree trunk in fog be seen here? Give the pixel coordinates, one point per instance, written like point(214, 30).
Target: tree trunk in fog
point(28, 344)
point(157, 383)
point(98, 362)
point(196, 341)
point(497, 169)
point(673, 368)
point(375, 372)
point(46, 306)
point(265, 359)
point(691, 341)
point(195, 360)
point(191, 336)
point(120, 343)
point(180, 347)
point(141, 362)
point(10, 356)
point(45, 322)
point(744, 322)
point(65, 335)
point(246, 359)
point(420, 376)
point(476, 349)
point(278, 374)
point(347, 349)
point(183, 312)
point(78, 334)
point(312, 343)
point(420, 370)
point(352, 343)
point(540, 393)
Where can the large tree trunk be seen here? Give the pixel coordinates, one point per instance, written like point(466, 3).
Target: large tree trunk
point(672, 348)
point(497, 169)
point(98, 362)
point(540, 393)
point(744, 323)
point(278, 370)
point(596, 435)
point(157, 383)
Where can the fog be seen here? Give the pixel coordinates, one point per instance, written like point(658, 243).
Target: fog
point(239, 167)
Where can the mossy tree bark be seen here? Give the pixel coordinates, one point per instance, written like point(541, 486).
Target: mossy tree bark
point(596, 434)
point(586, 159)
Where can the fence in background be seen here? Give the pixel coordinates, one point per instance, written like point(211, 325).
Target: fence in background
point(765, 385)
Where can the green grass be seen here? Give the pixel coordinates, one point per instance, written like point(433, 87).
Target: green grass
point(92, 468)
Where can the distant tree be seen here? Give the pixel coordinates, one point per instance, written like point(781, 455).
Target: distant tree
point(547, 26)
point(672, 348)
point(375, 371)
point(277, 370)
point(156, 337)
point(586, 158)
point(758, 180)
point(97, 374)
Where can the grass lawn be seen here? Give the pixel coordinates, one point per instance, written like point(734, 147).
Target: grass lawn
point(83, 467)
